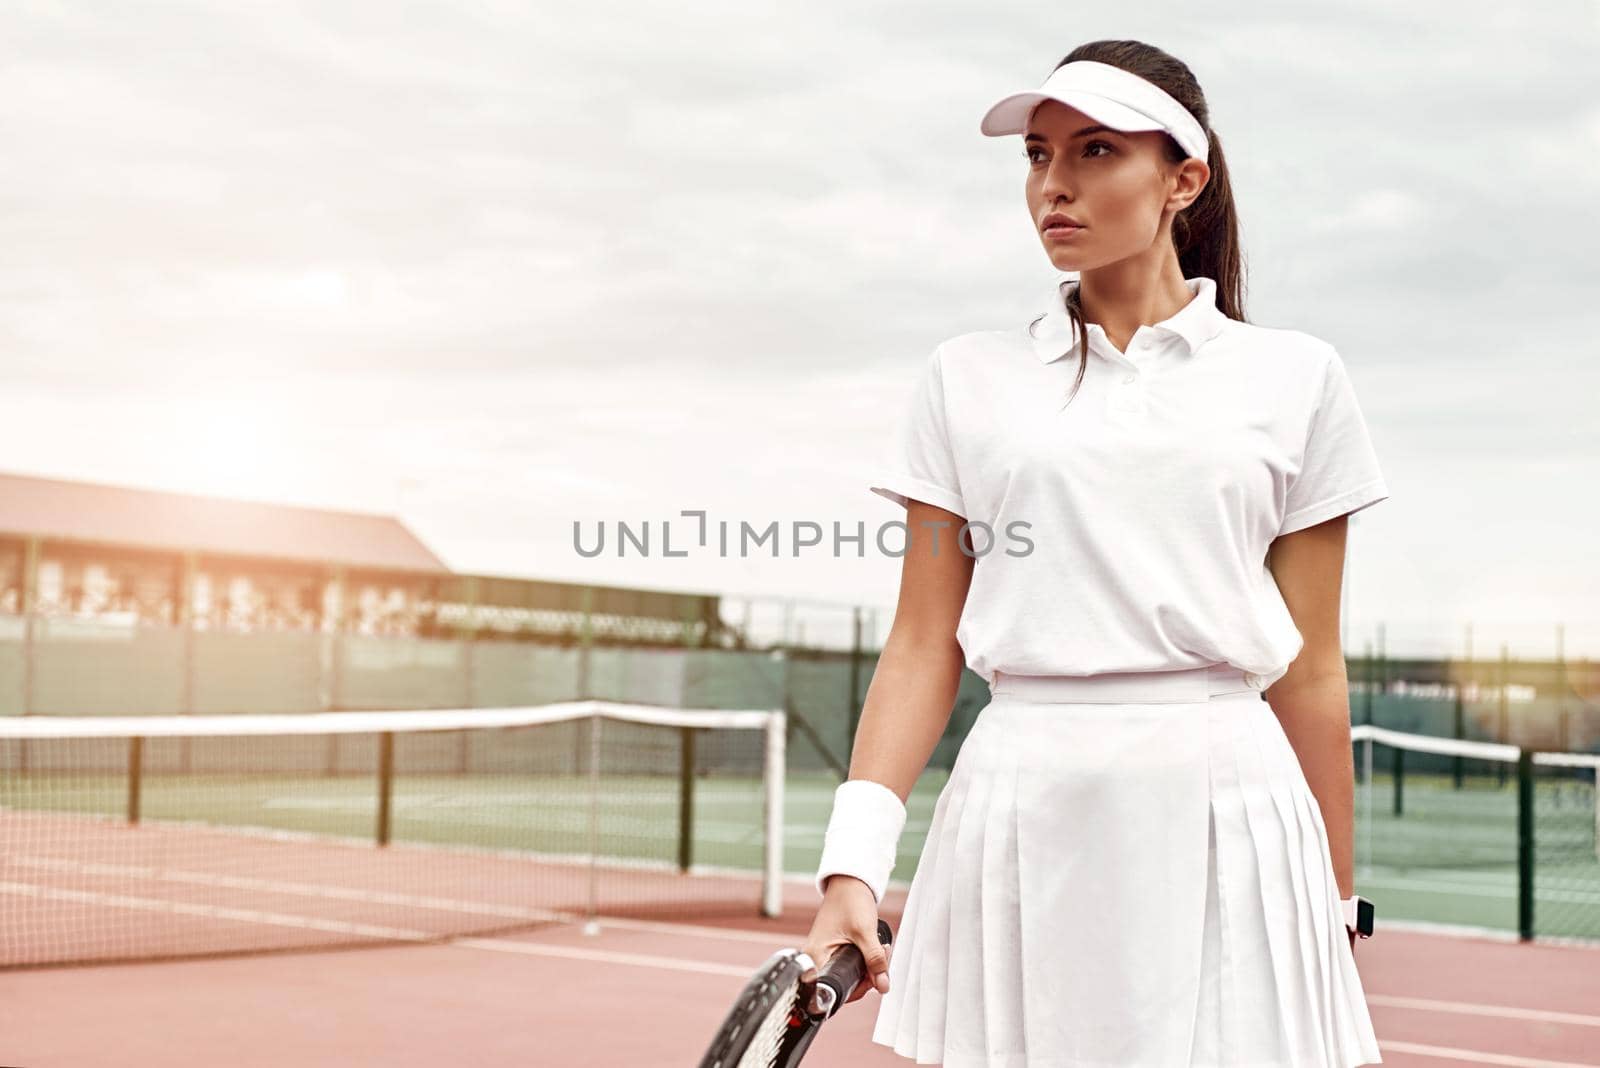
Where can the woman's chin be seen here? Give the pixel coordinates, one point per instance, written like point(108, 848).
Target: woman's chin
point(1064, 262)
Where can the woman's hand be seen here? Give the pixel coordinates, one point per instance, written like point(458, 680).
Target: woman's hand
point(848, 914)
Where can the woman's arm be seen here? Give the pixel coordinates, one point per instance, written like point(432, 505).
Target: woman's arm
point(907, 708)
point(1312, 700)
point(913, 690)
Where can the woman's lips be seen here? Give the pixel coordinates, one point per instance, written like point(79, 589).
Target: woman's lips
point(1061, 231)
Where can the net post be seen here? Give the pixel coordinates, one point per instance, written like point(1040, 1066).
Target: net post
point(1371, 812)
point(31, 623)
point(773, 795)
point(1503, 719)
point(1563, 722)
point(591, 927)
point(1525, 858)
point(385, 784)
point(1460, 728)
point(1596, 770)
point(686, 799)
point(1399, 772)
point(135, 777)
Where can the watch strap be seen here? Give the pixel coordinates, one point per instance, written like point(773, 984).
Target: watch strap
point(1352, 908)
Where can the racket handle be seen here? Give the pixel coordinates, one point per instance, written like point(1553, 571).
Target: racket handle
point(843, 973)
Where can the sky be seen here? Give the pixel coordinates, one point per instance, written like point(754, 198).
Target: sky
point(499, 267)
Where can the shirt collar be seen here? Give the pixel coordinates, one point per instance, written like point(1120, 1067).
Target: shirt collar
point(1195, 323)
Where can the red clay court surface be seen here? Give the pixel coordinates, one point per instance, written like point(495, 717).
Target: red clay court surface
point(644, 993)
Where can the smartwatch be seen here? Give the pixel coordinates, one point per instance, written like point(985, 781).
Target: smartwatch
point(1358, 915)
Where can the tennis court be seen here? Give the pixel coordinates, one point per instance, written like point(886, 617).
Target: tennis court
point(508, 880)
point(648, 993)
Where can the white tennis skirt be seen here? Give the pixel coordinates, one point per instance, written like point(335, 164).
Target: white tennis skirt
point(1126, 871)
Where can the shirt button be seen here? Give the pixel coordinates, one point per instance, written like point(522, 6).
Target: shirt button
point(1251, 678)
point(1130, 379)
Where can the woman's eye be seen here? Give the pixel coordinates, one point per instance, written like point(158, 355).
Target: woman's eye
point(1036, 156)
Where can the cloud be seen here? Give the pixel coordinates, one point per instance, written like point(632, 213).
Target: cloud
point(636, 251)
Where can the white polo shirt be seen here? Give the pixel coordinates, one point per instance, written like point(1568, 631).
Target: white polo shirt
point(1131, 526)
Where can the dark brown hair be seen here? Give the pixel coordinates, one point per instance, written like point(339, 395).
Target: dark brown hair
point(1206, 233)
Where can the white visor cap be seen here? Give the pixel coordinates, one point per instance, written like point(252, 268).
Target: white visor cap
point(1107, 94)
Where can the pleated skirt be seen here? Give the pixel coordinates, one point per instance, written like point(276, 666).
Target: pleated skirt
point(1117, 884)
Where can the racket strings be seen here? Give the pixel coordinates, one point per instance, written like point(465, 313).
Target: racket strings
point(768, 1041)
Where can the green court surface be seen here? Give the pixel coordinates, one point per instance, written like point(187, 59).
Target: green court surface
point(1451, 858)
point(1451, 855)
point(637, 816)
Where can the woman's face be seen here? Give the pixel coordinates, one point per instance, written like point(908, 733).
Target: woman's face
point(1118, 186)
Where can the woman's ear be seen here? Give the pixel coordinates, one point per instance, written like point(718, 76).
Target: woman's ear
point(1191, 179)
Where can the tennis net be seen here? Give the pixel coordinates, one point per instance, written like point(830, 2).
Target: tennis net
point(1479, 834)
point(139, 838)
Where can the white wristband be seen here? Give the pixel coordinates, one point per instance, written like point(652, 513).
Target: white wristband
point(862, 834)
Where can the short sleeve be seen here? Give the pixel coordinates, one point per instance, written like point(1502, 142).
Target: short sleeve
point(921, 464)
point(1339, 473)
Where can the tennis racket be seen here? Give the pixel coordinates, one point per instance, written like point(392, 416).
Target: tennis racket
point(776, 1015)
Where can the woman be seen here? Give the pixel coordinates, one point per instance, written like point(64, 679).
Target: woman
point(1142, 856)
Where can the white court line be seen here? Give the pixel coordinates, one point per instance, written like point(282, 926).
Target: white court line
point(219, 912)
point(274, 886)
point(551, 916)
point(1466, 1008)
point(496, 945)
point(379, 897)
point(364, 845)
point(604, 956)
point(1505, 891)
point(731, 934)
point(340, 893)
point(1453, 930)
point(387, 934)
point(1490, 934)
point(1477, 1056)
